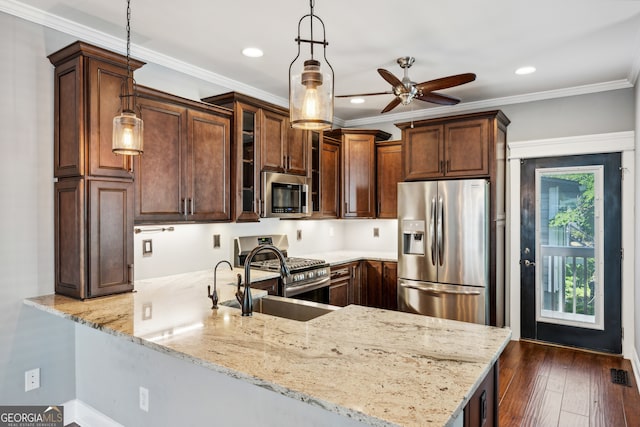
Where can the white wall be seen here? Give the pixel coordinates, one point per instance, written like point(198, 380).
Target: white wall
point(28, 338)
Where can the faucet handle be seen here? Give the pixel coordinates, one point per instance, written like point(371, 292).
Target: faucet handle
point(213, 296)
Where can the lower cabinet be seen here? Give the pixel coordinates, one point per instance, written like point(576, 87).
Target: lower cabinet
point(93, 237)
point(345, 283)
point(269, 285)
point(482, 409)
point(379, 284)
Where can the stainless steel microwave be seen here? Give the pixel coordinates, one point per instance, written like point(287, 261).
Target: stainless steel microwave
point(285, 195)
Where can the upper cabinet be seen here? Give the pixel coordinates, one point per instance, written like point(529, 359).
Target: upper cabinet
point(88, 84)
point(185, 171)
point(262, 141)
point(358, 170)
point(451, 147)
point(325, 176)
point(388, 175)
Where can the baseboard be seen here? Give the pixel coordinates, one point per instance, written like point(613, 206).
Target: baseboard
point(635, 364)
point(76, 411)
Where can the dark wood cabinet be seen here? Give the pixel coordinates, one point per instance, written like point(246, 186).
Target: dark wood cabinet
point(451, 148)
point(88, 82)
point(269, 285)
point(185, 171)
point(466, 146)
point(482, 408)
point(358, 170)
point(345, 284)
point(93, 237)
point(262, 141)
point(379, 284)
point(93, 213)
point(388, 175)
point(325, 176)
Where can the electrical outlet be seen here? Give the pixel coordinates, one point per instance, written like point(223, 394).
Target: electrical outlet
point(144, 399)
point(147, 247)
point(299, 234)
point(32, 379)
point(216, 241)
point(376, 232)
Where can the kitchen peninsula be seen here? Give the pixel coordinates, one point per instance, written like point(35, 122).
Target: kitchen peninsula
point(371, 366)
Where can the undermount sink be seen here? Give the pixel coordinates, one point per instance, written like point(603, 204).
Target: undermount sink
point(289, 308)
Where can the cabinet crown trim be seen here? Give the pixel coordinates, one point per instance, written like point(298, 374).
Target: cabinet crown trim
point(497, 114)
point(80, 48)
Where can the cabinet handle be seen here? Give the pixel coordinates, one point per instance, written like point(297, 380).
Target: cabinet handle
point(181, 206)
point(379, 208)
point(441, 166)
point(130, 273)
point(448, 165)
point(193, 204)
point(284, 162)
point(184, 207)
point(345, 209)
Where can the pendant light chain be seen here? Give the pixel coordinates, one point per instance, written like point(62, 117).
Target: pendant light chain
point(129, 76)
point(312, 4)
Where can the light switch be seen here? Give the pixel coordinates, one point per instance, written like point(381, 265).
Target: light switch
point(376, 232)
point(147, 247)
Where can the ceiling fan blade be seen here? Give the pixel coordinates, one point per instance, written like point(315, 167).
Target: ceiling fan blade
point(438, 98)
point(364, 94)
point(390, 78)
point(393, 104)
point(446, 82)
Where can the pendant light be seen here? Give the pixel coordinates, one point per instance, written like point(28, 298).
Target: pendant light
point(127, 127)
point(311, 83)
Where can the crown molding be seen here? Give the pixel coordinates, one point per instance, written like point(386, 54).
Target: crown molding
point(116, 44)
point(490, 103)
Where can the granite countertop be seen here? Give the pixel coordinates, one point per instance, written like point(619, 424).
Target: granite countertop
point(342, 257)
point(379, 367)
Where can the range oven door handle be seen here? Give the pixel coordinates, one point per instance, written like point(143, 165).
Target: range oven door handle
point(289, 291)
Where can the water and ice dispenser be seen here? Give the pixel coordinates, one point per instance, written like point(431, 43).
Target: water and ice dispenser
point(413, 237)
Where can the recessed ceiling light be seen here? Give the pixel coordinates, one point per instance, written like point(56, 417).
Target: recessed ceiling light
point(252, 52)
point(357, 100)
point(525, 70)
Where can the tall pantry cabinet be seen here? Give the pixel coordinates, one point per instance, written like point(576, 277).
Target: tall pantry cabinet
point(93, 211)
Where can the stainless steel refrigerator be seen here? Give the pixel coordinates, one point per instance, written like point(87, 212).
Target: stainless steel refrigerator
point(443, 266)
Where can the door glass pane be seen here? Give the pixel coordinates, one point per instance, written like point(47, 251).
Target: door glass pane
point(569, 257)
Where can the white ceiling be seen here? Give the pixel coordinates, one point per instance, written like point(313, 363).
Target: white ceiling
point(577, 46)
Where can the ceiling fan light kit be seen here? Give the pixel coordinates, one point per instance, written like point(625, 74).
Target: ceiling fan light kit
point(406, 90)
point(311, 83)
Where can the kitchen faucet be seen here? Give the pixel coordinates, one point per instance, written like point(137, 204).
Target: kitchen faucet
point(244, 298)
point(214, 295)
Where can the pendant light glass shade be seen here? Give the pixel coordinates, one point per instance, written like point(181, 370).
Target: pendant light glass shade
point(127, 134)
point(311, 84)
point(127, 127)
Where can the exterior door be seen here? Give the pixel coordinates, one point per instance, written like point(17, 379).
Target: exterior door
point(571, 251)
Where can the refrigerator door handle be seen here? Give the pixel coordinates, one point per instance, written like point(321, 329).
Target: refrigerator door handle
point(432, 228)
point(435, 291)
point(440, 231)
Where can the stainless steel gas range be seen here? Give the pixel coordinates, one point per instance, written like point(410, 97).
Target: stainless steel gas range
point(309, 279)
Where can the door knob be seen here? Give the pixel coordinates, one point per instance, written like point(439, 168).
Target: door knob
point(528, 263)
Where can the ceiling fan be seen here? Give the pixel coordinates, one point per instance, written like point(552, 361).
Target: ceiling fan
point(406, 90)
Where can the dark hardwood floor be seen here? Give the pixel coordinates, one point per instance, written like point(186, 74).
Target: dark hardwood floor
point(542, 385)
